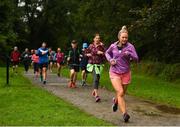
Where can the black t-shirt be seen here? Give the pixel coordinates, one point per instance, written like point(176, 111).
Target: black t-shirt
point(74, 55)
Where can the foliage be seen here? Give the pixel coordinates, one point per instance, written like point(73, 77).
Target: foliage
point(153, 25)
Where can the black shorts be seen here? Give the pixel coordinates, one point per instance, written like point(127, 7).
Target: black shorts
point(54, 61)
point(83, 68)
point(76, 68)
point(15, 63)
point(51, 61)
point(41, 65)
point(61, 63)
point(36, 67)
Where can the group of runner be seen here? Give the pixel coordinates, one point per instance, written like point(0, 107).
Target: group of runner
point(91, 60)
point(39, 59)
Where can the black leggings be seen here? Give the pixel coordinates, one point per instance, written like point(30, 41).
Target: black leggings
point(96, 78)
point(36, 67)
point(26, 66)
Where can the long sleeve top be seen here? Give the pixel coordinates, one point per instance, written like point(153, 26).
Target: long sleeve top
point(121, 56)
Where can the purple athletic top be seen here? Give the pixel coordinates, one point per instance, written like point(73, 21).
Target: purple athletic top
point(122, 59)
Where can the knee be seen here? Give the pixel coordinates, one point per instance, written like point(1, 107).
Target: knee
point(44, 69)
point(83, 71)
point(72, 72)
point(120, 93)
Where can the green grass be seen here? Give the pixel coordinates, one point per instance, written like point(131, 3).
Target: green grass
point(144, 86)
point(25, 104)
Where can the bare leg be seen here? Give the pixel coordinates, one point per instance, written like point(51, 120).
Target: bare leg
point(51, 66)
point(16, 68)
point(58, 69)
point(44, 73)
point(83, 76)
point(120, 92)
point(72, 73)
point(75, 77)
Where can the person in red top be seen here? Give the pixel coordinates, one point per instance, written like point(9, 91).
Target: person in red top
point(35, 61)
point(15, 58)
point(60, 59)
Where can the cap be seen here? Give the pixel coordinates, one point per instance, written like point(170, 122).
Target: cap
point(85, 45)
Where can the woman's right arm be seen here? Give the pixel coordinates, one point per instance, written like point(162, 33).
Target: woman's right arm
point(39, 52)
point(108, 53)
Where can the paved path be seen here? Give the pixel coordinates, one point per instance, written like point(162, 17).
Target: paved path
point(142, 112)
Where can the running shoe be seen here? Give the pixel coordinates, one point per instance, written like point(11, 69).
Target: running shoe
point(70, 85)
point(97, 98)
point(41, 78)
point(44, 82)
point(115, 104)
point(73, 85)
point(58, 74)
point(126, 117)
point(83, 83)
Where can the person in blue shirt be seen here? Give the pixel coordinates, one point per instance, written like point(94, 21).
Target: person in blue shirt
point(52, 60)
point(83, 63)
point(43, 61)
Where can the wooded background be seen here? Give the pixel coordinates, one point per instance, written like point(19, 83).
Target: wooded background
point(154, 25)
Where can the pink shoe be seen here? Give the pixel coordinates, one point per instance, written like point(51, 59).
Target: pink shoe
point(97, 98)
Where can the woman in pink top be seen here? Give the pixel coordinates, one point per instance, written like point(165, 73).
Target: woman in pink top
point(60, 59)
point(35, 61)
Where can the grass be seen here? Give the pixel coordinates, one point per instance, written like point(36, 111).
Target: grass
point(25, 104)
point(143, 86)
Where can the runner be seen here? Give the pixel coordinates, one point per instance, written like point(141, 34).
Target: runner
point(73, 61)
point(95, 52)
point(43, 62)
point(83, 64)
point(32, 52)
point(26, 59)
point(51, 59)
point(54, 60)
point(60, 60)
point(15, 59)
point(35, 61)
point(119, 54)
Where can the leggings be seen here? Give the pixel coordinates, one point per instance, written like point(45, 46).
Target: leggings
point(96, 78)
point(26, 66)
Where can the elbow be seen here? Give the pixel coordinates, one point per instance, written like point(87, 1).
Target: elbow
point(136, 59)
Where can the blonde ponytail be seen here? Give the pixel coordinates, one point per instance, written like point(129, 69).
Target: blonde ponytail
point(123, 30)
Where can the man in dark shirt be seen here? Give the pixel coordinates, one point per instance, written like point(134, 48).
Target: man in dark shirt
point(73, 61)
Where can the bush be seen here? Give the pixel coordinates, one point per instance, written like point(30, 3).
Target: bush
point(171, 72)
point(167, 72)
